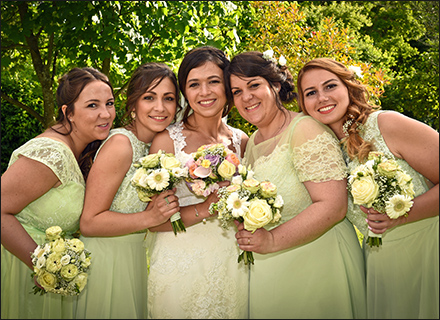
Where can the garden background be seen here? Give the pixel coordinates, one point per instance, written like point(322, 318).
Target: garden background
point(395, 43)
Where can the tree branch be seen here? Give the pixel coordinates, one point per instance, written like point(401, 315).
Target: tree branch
point(24, 107)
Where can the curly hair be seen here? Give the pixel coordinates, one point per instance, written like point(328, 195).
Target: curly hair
point(358, 110)
point(252, 64)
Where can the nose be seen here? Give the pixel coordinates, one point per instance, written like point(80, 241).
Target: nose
point(159, 106)
point(322, 96)
point(204, 89)
point(247, 96)
point(106, 112)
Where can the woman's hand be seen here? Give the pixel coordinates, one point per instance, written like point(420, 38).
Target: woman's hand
point(379, 222)
point(261, 241)
point(162, 207)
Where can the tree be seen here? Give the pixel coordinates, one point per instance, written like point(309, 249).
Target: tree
point(41, 40)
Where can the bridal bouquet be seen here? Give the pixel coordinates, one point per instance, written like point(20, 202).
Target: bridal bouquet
point(60, 264)
point(381, 184)
point(211, 163)
point(158, 172)
point(250, 201)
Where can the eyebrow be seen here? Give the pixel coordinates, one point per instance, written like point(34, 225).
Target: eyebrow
point(324, 83)
point(247, 83)
point(209, 78)
point(166, 93)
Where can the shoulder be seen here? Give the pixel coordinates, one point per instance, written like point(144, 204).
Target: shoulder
point(392, 123)
point(162, 141)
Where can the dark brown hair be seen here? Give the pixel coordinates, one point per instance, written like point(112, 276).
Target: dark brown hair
point(70, 87)
point(143, 79)
point(358, 109)
point(252, 64)
point(196, 58)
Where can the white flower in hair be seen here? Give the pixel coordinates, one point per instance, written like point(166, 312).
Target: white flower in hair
point(282, 61)
point(268, 54)
point(357, 71)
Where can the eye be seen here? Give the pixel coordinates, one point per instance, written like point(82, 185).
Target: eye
point(110, 103)
point(254, 85)
point(169, 98)
point(332, 85)
point(92, 105)
point(215, 81)
point(148, 98)
point(193, 85)
point(236, 92)
point(310, 93)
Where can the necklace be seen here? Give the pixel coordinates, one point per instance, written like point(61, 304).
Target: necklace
point(287, 119)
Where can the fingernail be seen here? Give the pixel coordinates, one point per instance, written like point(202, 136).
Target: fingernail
point(370, 228)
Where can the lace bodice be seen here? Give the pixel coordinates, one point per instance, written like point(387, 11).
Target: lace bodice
point(126, 199)
point(60, 206)
point(371, 132)
point(305, 151)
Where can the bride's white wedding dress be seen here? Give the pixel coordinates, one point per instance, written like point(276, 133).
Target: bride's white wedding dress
point(195, 274)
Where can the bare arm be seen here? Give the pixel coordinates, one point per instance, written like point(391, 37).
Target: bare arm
point(25, 181)
point(105, 177)
point(417, 144)
point(329, 205)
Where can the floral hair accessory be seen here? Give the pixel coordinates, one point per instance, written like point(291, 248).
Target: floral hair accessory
point(268, 55)
point(357, 71)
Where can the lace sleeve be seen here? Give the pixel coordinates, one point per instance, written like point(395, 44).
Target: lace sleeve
point(319, 160)
point(54, 154)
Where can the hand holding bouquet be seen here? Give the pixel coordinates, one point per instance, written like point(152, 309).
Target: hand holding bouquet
point(381, 183)
point(250, 201)
point(60, 264)
point(210, 164)
point(159, 172)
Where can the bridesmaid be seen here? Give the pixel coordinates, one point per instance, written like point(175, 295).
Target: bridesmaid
point(44, 186)
point(309, 264)
point(403, 273)
point(114, 220)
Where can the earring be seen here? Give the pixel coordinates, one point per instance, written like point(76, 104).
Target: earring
point(133, 115)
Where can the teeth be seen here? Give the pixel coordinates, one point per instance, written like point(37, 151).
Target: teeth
point(326, 108)
point(253, 107)
point(207, 102)
point(159, 118)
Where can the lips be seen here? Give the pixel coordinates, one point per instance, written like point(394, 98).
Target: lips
point(158, 118)
point(250, 108)
point(326, 109)
point(104, 126)
point(206, 103)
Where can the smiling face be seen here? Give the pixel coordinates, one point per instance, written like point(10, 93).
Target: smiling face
point(325, 97)
point(254, 99)
point(94, 112)
point(155, 109)
point(205, 90)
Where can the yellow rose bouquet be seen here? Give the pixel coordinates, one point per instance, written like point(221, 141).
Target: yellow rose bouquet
point(60, 264)
point(208, 165)
point(250, 201)
point(156, 173)
point(381, 184)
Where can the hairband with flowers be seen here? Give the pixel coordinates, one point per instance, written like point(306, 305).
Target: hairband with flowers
point(268, 55)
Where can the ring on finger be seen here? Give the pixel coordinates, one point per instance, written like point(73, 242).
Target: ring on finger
point(368, 211)
point(166, 200)
point(249, 241)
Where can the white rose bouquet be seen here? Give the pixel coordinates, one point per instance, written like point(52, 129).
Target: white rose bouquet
point(60, 264)
point(381, 184)
point(208, 165)
point(156, 173)
point(250, 201)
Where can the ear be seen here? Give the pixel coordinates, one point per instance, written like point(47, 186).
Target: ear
point(63, 110)
point(277, 86)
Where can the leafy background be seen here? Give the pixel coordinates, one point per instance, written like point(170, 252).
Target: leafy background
point(394, 42)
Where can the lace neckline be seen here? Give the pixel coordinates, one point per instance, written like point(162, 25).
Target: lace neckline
point(176, 134)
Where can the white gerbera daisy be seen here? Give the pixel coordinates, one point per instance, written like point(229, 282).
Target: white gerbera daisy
point(398, 205)
point(158, 179)
point(238, 206)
